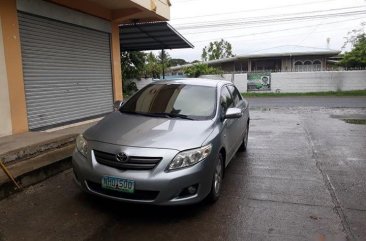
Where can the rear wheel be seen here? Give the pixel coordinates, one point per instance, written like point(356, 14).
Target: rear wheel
point(243, 146)
point(217, 179)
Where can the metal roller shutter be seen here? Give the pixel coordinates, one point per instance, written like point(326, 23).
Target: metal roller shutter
point(67, 71)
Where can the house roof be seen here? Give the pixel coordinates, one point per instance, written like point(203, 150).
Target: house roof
point(151, 36)
point(281, 51)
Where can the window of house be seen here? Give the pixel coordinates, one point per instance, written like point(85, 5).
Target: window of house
point(298, 66)
point(317, 65)
point(308, 65)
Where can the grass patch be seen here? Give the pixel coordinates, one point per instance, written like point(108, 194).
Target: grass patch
point(355, 121)
point(329, 93)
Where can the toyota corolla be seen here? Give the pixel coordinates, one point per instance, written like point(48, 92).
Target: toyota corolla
point(167, 145)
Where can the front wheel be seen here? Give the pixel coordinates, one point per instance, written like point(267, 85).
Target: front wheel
point(243, 146)
point(217, 179)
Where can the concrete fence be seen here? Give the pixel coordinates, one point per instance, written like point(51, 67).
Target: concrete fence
point(141, 83)
point(287, 82)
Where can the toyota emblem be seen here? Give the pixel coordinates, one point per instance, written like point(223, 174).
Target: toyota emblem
point(121, 157)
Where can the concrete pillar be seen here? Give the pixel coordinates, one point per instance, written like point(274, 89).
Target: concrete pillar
point(5, 121)
point(13, 64)
point(116, 63)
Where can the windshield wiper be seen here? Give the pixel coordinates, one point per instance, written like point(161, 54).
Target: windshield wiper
point(172, 115)
point(159, 114)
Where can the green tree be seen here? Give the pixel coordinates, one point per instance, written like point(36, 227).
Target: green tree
point(197, 70)
point(152, 66)
point(132, 67)
point(164, 60)
point(217, 50)
point(357, 56)
point(132, 64)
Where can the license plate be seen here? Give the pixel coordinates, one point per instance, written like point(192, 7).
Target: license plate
point(118, 184)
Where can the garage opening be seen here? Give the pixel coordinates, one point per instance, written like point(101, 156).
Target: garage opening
point(67, 71)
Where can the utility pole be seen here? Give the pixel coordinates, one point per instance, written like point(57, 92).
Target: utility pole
point(162, 62)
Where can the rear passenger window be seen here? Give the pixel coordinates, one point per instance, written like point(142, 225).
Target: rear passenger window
point(235, 94)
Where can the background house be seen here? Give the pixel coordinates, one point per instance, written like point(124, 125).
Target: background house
point(280, 59)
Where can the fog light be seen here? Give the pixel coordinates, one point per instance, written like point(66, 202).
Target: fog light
point(188, 191)
point(192, 189)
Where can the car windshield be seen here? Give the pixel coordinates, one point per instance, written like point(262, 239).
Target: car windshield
point(173, 101)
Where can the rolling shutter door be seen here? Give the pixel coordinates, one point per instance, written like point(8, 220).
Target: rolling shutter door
point(67, 71)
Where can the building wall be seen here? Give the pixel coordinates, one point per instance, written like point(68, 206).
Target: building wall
point(63, 14)
point(287, 82)
point(141, 83)
point(5, 121)
point(98, 15)
point(318, 81)
point(240, 81)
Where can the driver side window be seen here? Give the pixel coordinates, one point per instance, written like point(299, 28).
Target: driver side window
point(226, 100)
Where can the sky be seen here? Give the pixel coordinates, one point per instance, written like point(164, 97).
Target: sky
point(256, 25)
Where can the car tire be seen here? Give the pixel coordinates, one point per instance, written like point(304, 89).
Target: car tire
point(243, 146)
point(216, 185)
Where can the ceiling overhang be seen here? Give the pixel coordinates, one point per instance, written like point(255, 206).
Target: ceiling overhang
point(151, 36)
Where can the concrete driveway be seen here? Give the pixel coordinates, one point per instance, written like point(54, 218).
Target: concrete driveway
point(302, 178)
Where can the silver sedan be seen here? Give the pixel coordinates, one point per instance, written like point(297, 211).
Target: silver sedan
point(167, 145)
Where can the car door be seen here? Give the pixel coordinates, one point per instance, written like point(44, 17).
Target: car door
point(242, 104)
point(239, 124)
point(228, 132)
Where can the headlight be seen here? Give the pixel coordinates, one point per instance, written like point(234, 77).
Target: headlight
point(82, 145)
point(189, 158)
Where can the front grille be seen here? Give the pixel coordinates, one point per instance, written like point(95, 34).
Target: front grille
point(133, 162)
point(137, 195)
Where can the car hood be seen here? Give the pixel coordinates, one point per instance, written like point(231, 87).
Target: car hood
point(152, 132)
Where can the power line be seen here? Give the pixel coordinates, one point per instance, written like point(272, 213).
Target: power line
point(279, 20)
point(277, 17)
point(252, 10)
point(271, 31)
point(222, 29)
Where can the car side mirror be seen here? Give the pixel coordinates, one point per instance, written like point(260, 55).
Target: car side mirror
point(117, 104)
point(233, 113)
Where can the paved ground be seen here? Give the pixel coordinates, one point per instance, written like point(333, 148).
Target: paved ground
point(303, 178)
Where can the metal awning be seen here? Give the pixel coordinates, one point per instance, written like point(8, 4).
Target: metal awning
point(151, 36)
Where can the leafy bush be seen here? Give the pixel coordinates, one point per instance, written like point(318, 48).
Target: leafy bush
point(357, 56)
point(129, 87)
point(197, 70)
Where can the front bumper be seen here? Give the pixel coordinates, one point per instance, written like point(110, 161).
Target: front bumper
point(151, 186)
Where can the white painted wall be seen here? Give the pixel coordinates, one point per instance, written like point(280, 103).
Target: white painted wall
point(318, 81)
point(141, 83)
point(322, 81)
point(239, 80)
point(287, 82)
point(217, 77)
point(5, 117)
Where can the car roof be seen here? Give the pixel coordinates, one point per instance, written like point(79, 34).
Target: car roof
point(194, 81)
